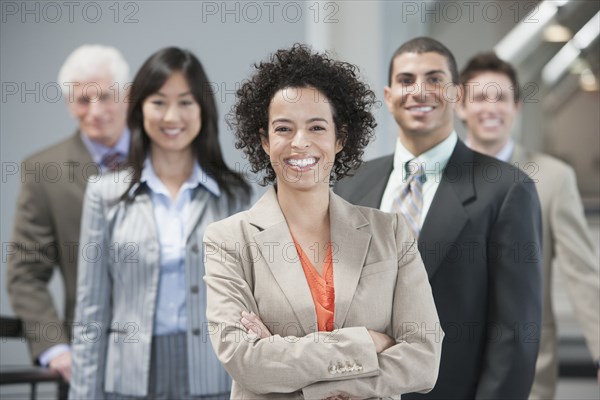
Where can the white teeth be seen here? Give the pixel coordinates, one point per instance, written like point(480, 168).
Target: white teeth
point(421, 109)
point(302, 162)
point(172, 131)
point(491, 123)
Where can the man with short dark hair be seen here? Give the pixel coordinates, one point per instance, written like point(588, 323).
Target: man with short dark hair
point(478, 226)
point(489, 108)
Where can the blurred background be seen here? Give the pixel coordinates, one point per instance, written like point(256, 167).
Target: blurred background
point(553, 44)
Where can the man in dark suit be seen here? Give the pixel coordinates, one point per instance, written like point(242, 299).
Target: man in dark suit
point(48, 214)
point(478, 226)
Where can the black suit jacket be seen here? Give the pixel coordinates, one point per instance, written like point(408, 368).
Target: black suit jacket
point(481, 245)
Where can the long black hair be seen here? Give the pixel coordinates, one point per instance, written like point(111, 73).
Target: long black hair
point(149, 79)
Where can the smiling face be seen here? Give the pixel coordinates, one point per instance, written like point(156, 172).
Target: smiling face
point(301, 141)
point(421, 97)
point(172, 116)
point(100, 109)
point(489, 109)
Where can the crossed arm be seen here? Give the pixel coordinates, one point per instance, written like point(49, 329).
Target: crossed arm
point(275, 364)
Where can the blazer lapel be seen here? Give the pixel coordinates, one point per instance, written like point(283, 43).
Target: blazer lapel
point(200, 198)
point(447, 215)
point(143, 202)
point(277, 250)
point(349, 247)
point(81, 162)
point(371, 196)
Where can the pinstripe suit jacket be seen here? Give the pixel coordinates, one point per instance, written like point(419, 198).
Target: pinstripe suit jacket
point(117, 288)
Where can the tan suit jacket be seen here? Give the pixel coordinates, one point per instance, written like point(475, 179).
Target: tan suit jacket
point(568, 246)
point(46, 234)
point(380, 283)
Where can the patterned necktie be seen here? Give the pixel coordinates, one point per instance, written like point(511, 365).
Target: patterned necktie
point(409, 202)
point(112, 160)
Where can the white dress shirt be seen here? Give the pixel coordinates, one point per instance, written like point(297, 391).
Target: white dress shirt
point(433, 161)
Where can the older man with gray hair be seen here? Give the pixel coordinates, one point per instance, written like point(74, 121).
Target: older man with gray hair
point(47, 219)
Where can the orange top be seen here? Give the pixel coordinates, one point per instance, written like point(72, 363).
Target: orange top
point(321, 287)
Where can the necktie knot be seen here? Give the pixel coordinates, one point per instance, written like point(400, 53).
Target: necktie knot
point(112, 160)
point(414, 171)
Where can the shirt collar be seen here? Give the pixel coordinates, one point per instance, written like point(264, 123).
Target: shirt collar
point(433, 160)
point(198, 177)
point(506, 152)
point(98, 150)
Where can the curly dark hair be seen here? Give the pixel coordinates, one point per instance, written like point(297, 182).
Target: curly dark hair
point(299, 67)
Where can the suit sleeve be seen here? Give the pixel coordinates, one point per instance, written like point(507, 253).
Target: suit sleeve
point(276, 364)
point(93, 309)
point(412, 364)
point(515, 296)
point(576, 257)
point(31, 262)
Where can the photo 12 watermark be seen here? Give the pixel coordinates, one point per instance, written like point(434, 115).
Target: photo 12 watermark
point(53, 12)
point(454, 12)
point(252, 12)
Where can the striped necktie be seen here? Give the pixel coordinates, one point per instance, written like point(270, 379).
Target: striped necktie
point(112, 160)
point(409, 201)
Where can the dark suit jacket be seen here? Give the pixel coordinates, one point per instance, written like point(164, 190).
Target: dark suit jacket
point(481, 246)
point(46, 234)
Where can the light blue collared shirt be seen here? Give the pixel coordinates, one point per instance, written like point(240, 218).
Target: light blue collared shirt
point(98, 150)
point(506, 152)
point(170, 218)
point(433, 162)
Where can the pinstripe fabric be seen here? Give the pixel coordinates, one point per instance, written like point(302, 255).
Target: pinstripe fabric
point(117, 289)
point(169, 375)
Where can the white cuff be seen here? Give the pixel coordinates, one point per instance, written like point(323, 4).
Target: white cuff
point(52, 352)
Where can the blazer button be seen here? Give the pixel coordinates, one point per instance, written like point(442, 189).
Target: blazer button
point(196, 332)
point(349, 367)
point(332, 369)
point(195, 248)
point(195, 289)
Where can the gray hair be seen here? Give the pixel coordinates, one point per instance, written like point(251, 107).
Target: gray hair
point(90, 61)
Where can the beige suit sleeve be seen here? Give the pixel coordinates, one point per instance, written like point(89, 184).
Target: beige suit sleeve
point(276, 364)
point(31, 259)
point(576, 257)
point(411, 365)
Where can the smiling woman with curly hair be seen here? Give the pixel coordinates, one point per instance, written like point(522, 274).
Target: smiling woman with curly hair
point(298, 67)
point(309, 296)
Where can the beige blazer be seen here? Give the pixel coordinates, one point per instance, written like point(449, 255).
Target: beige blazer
point(380, 283)
point(567, 246)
